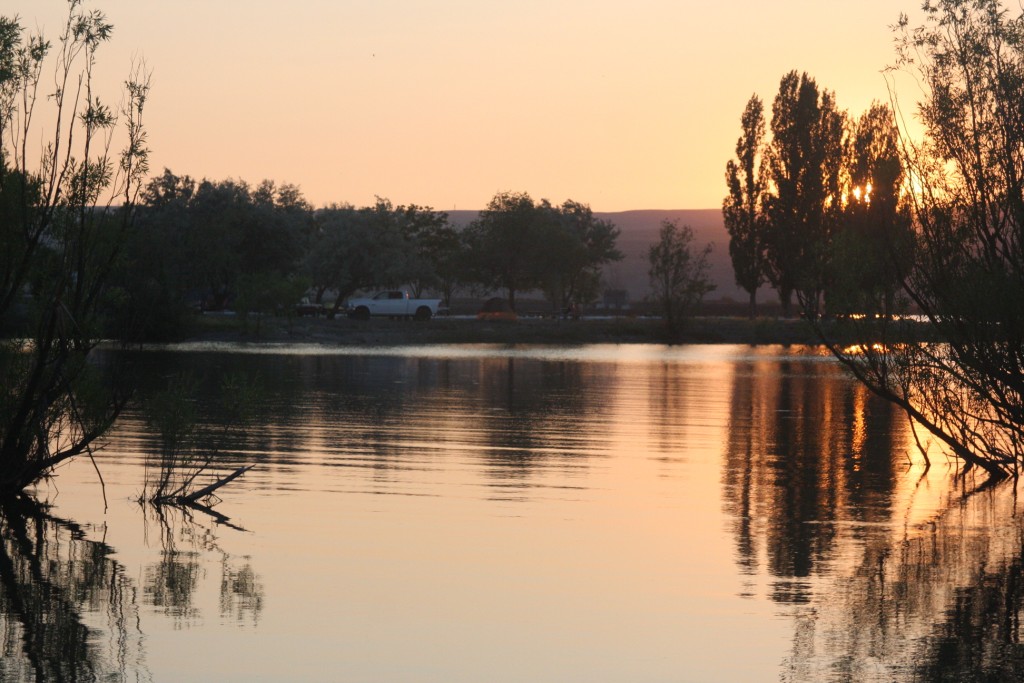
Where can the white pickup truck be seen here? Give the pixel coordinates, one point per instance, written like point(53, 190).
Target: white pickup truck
point(393, 304)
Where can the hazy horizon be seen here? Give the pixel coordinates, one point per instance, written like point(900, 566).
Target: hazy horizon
point(444, 105)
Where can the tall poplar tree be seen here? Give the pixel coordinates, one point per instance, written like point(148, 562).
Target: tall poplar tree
point(805, 160)
point(744, 207)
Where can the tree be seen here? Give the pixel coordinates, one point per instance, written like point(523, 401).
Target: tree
point(805, 161)
point(519, 245)
point(212, 237)
point(505, 245)
point(678, 274)
point(219, 241)
point(64, 218)
point(444, 248)
point(962, 376)
point(152, 279)
point(743, 209)
point(576, 245)
point(874, 243)
point(274, 233)
point(431, 240)
point(355, 249)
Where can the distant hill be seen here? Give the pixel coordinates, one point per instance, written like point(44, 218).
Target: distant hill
point(639, 230)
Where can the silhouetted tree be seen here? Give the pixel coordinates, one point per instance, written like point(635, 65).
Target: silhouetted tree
point(806, 160)
point(275, 230)
point(519, 245)
point(64, 218)
point(678, 274)
point(355, 249)
point(576, 246)
point(874, 243)
point(153, 277)
point(444, 248)
point(506, 245)
point(967, 204)
point(744, 207)
point(213, 236)
point(431, 242)
point(220, 241)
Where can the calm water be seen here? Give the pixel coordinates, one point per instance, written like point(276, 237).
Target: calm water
point(633, 513)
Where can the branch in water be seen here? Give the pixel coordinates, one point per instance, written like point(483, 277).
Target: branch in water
point(205, 491)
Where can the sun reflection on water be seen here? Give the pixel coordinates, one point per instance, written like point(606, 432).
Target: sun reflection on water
point(605, 512)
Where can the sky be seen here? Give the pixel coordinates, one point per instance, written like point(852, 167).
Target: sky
point(443, 103)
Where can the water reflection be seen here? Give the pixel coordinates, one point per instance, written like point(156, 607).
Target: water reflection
point(67, 610)
point(664, 501)
point(805, 446)
point(170, 583)
point(938, 601)
point(892, 574)
point(516, 418)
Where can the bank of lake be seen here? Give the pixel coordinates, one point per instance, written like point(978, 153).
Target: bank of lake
point(469, 330)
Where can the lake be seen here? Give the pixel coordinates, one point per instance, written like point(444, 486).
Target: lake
point(481, 513)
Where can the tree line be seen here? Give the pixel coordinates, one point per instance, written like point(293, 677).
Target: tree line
point(816, 203)
point(92, 247)
point(854, 216)
point(846, 214)
point(263, 247)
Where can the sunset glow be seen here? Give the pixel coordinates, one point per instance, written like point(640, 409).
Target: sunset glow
point(444, 104)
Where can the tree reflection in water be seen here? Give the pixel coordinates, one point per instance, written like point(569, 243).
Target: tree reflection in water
point(889, 578)
point(170, 583)
point(59, 592)
point(934, 601)
point(68, 611)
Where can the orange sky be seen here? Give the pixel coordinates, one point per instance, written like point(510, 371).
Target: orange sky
point(620, 105)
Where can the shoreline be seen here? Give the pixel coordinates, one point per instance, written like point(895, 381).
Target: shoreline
point(461, 330)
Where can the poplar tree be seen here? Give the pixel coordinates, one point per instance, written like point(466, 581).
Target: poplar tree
point(805, 161)
point(743, 209)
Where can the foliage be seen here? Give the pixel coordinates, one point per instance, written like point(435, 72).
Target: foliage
point(355, 249)
point(519, 245)
point(267, 293)
point(743, 209)
point(806, 161)
point(578, 245)
point(678, 274)
point(442, 248)
point(967, 208)
point(818, 207)
point(433, 247)
point(505, 245)
point(152, 280)
point(65, 216)
point(211, 243)
point(874, 242)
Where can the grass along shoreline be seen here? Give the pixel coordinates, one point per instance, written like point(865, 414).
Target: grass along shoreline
point(458, 330)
